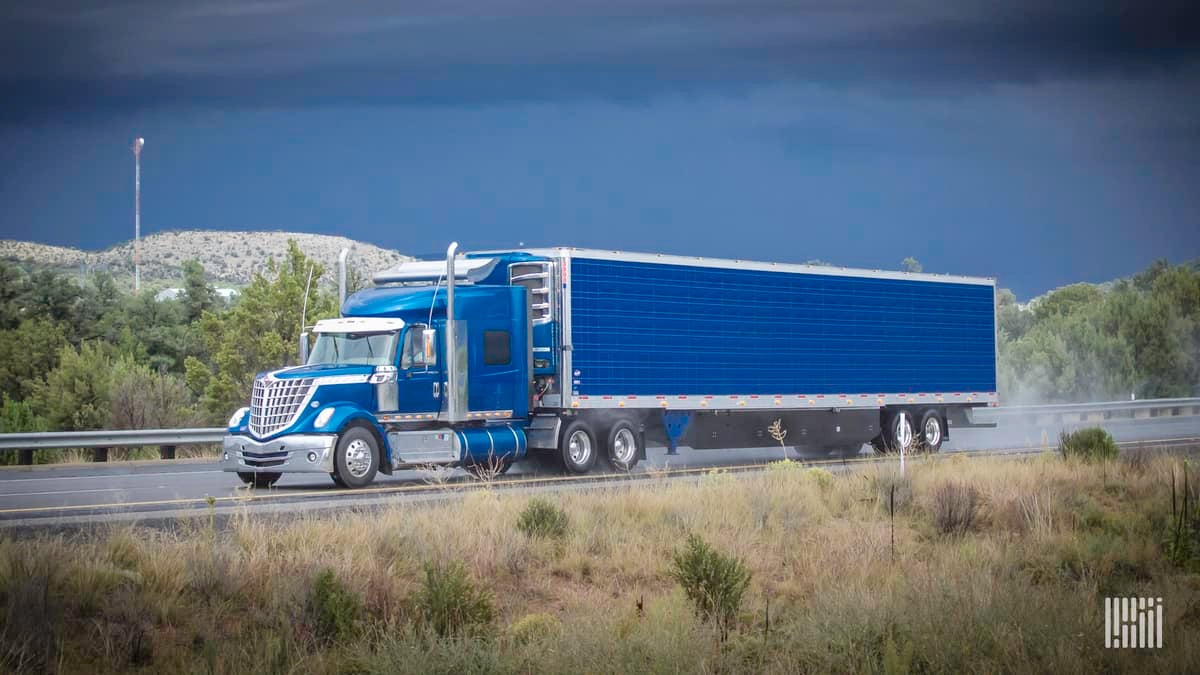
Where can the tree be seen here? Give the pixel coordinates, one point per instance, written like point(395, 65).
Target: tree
point(911, 265)
point(259, 333)
point(27, 353)
point(140, 398)
point(198, 295)
point(12, 281)
point(75, 395)
point(1066, 300)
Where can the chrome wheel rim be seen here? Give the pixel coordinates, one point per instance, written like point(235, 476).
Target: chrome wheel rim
point(933, 432)
point(579, 447)
point(624, 446)
point(904, 432)
point(358, 458)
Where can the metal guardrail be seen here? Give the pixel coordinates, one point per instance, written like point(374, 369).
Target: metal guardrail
point(169, 439)
point(100, 442)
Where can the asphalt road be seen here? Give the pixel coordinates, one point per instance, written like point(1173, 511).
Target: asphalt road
point(56, 495)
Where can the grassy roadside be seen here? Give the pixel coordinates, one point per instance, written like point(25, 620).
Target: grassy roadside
point(997, 566)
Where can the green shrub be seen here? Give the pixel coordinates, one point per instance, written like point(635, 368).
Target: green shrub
point(535, 628)
point(1089, 444)
point(333, 609)
point(543, 518)
point(822, 477)
point(451, 605)
point(783, 466)
point(714, 582)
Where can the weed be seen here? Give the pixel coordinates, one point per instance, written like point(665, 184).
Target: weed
point(713, 581)
point(1090, 444)
point(451, 605)
point(822, 477)
point(334, 611)
point(955, 506)
point(542, 518)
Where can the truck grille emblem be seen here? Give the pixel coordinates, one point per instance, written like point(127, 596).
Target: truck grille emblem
point(275, 404)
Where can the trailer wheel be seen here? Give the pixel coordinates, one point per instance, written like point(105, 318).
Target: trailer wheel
point(259, 480)
point(932, 431)
point(622, 446)
point(897, 434)
point(356, 457)
point(578, 447)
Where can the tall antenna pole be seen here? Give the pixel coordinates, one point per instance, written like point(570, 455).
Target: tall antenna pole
point(137, 214)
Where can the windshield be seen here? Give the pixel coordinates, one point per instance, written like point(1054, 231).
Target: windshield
point(366, 349)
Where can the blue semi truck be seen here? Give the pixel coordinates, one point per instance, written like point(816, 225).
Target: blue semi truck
point(580, 358)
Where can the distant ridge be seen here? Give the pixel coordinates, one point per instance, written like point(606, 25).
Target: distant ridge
point(229, 257)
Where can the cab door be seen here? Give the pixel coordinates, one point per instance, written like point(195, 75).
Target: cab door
point(419, 375)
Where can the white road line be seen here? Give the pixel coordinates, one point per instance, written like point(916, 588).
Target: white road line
point(68, 492)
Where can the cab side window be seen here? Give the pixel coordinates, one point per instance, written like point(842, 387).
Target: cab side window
point(414, 348)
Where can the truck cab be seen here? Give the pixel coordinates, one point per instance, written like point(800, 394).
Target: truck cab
point(427, 372)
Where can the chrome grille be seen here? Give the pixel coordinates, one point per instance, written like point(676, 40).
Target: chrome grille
point(275, 404)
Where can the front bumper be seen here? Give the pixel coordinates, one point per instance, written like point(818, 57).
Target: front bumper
point(286, 454)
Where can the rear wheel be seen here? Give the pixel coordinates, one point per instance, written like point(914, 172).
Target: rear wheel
point(578, 447)
point(259, 480)
point(623, 446)
point(933, 431)
point(356, 458)
point(897, 434)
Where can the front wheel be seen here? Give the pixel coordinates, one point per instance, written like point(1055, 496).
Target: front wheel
point(356, 458)
point(259, 480)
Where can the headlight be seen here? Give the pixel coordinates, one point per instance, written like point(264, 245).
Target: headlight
point(323, 417)
point(236, 420)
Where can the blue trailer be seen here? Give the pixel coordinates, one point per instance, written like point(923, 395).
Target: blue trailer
point(582, 357)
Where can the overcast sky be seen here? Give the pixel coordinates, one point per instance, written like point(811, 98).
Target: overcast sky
point(1041, 143)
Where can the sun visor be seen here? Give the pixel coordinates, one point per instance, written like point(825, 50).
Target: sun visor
point(465, 269)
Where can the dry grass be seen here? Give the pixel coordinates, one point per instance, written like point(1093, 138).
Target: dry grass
point(1019, 590)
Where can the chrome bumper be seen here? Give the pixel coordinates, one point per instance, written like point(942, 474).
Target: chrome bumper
point(286, 454)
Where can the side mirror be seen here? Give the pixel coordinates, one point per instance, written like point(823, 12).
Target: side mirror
point(430, 346)
point(303, 346)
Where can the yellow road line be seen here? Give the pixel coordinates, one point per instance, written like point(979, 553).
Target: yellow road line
point(251, 496)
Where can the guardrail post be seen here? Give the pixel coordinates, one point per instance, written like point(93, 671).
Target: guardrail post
point(25, 457)
point(99, 454)
point(166, 452)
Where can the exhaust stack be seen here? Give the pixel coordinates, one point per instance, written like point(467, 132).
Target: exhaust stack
point(453, 412)
point(342, 278)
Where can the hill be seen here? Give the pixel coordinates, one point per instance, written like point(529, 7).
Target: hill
point(229, 257)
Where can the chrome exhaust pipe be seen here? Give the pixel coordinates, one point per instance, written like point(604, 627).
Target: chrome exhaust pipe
point(453, 414)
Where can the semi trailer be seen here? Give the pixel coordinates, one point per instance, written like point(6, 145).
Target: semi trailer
point(579, 358)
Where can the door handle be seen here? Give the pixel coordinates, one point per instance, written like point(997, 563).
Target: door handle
point(437, 389)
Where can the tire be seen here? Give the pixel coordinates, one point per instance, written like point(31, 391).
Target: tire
point(622, 446)
point(259, 480)
point(577, 446)
point(897, 433)
point(356, 457)
point(337, 480)
point(932, 431)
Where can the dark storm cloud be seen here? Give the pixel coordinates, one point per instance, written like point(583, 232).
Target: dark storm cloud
point(62, 57)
